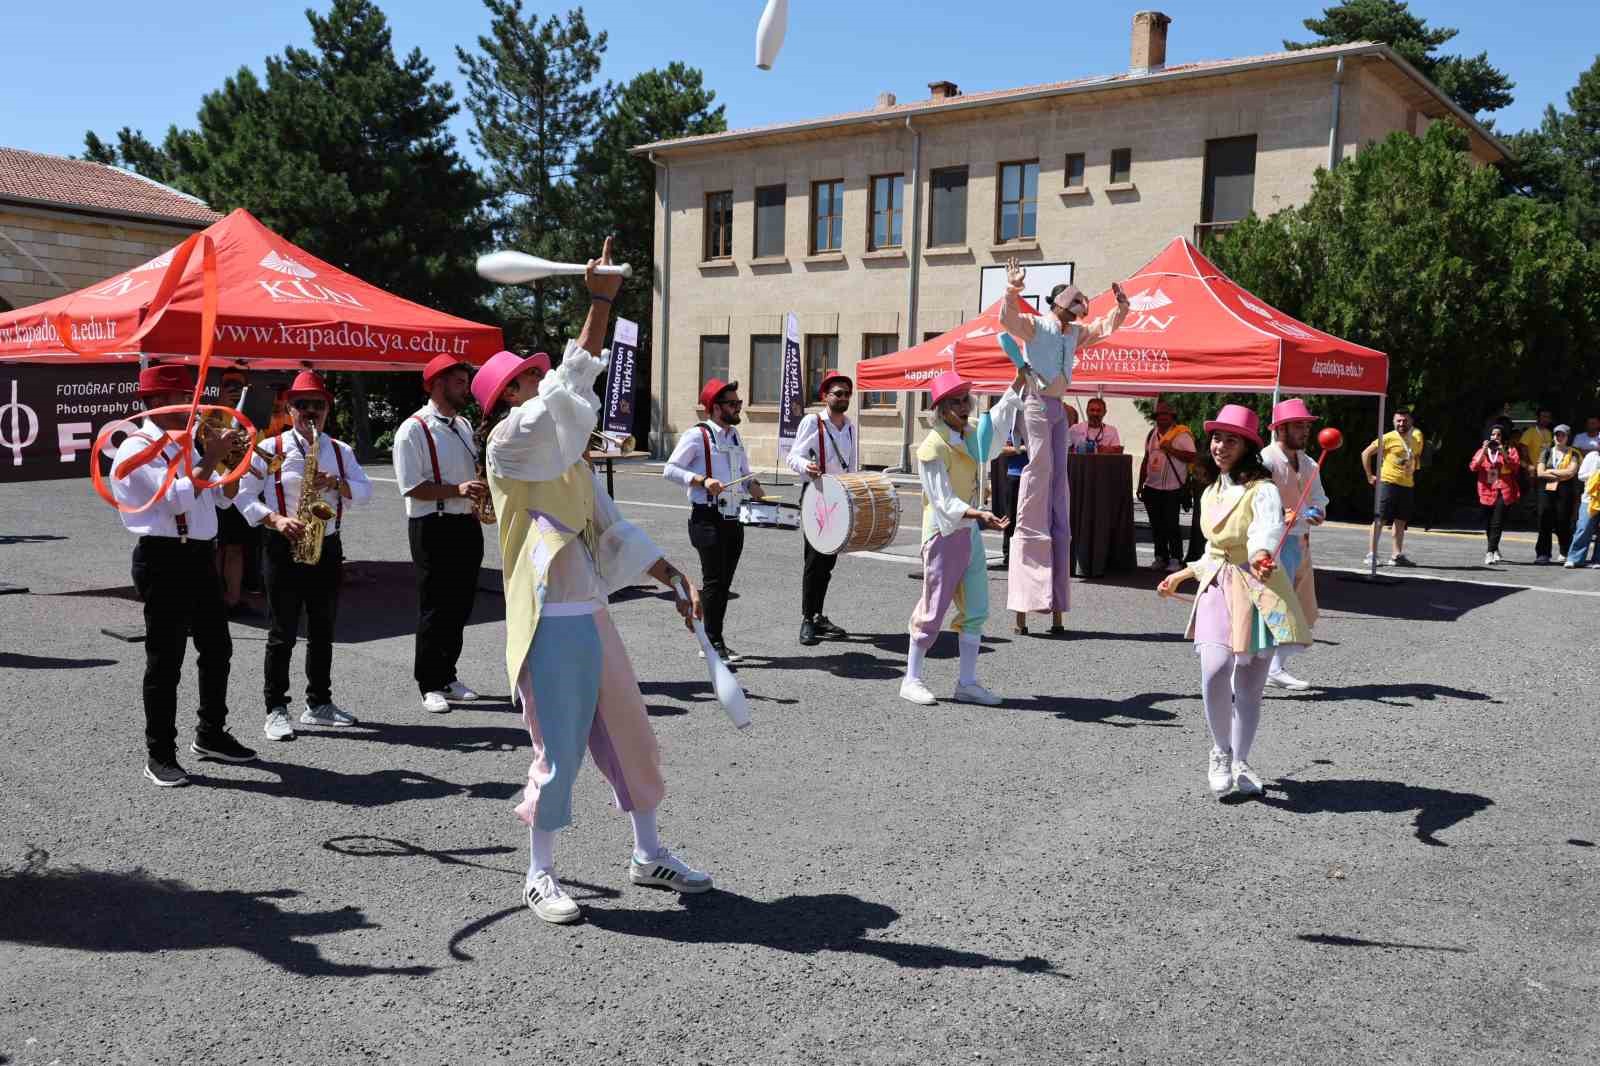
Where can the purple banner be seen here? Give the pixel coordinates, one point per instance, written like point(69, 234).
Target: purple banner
point(620, 379)
point(791, 397)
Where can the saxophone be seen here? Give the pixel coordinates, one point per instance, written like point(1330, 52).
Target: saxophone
point(310, 508)
point(483, 510)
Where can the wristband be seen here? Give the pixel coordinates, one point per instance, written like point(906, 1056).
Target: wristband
point(595, 297)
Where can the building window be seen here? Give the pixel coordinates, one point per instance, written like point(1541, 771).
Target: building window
point(947, 207)
point(888, 212)
point(766, 369)
point(827, 216)
point(770, 201)
point(713, 359)
point(719, 225)
point(1018, 216)
point(1074, 170)
point(872, 346)
point(1230, 179)
point(1121, 166)
point(822, 354)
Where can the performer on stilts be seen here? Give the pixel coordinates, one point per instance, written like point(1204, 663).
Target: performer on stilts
point(1040, 578)
point(1245, 610)
point(954, 565)
point(566, 547)
point(1293, 471)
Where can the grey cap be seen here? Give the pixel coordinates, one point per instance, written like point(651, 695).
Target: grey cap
point(1563, 428)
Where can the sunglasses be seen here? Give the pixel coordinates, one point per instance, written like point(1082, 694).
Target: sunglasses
point(310, 406)
point(731, 403)
point(843, 394)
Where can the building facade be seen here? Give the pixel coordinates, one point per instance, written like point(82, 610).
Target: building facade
point(875, 228)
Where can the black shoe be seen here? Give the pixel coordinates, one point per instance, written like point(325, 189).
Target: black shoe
point(726, 654)
point(808, 632)
point(165, 772)
point(220, 745)
point(827, 629)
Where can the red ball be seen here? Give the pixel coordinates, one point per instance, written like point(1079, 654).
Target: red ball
point(1330, 439)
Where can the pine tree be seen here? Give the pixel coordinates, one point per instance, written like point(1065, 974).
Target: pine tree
point(1560, 161)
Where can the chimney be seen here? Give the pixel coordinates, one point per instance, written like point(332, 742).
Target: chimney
point(943, 90)
point(1149, 42)
point(885, 100)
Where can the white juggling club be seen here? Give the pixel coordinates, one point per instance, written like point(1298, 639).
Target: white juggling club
point(769, 33)
point(729, 694)
point(519, 268)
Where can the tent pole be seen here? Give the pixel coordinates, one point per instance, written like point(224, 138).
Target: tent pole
point(1372, 568)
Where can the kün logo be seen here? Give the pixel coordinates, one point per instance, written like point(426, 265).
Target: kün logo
point(294, 289)
point(284, 265)
point(1148, 300)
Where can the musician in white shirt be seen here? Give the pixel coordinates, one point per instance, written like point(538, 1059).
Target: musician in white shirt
point(290, 584)
point(825, 443)
point(174, 572)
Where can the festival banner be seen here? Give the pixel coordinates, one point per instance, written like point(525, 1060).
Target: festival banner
point(620, 379)
point(792, 393)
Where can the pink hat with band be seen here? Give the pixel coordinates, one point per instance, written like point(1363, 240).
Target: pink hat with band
point(501, 370)
point(1294, 410)
point(946, 385)
point(1236, 418)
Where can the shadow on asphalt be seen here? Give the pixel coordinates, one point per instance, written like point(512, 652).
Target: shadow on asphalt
point(81, 909)
point(1140, 709)
point(699, 691)
point(15, 661)
point(1334, 940)
point(462, 738)
point(378, 788)
point(370, 847)
point(1405, 694)
point(27, 538)
point(1437, 809)
point(1421, 601)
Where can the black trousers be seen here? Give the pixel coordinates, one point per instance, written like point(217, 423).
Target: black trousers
point(446, 550)
point(291, 586)
point(181, 594)
point(720, 542)
point(1013, 491)
point(1494, 522)
point(1166, 530)
point(814, 581)
point(1557, 515)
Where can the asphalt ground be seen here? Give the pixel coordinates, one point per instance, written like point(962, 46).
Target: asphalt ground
point(1047, 881)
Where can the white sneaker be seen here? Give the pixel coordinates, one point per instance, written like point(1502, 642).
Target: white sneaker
point(1558, 558)
point(1246, 779)
point(1569, 565)
point(1368, 559)
point(976, 693)
point(325, 714)
point(1220, 775)
point(545, 897)
point(1488, 558)
point(914, 690)
point(435, 702)
point(278, 727)
point(1497, 558)
point(1284, 679)
point(666, 870)
point(458, 691)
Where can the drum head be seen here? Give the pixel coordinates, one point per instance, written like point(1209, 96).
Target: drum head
point(825, 515)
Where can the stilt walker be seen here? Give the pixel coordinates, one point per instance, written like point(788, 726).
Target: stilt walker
point(1295, 475)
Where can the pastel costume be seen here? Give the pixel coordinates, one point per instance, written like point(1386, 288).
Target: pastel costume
point(1293, 478)
point(1040, 576)
point(566, 547)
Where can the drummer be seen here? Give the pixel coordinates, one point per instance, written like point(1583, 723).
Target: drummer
point(824, 444)
point(710, 462)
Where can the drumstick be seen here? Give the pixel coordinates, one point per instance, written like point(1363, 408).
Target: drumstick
point(1331, 440)
point(728, 692)
point(741, 481)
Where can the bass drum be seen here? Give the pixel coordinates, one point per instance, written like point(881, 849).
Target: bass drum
point(850, 513)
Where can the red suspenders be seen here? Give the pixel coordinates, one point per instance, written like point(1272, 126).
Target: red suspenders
point(277, 483)
point(433, 457)
point(181, 519)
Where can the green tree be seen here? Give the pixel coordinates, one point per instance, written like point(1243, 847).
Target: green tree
point(1471, 81)
point(534, 106)
point(134, 152)
point(1560, 161)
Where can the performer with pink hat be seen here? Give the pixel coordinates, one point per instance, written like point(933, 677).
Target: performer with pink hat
point(1040, 578)
point(1245, 610)
point(1295, 475)
point(954, 565)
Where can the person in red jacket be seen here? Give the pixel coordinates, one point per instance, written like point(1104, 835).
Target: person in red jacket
point(1499, 468)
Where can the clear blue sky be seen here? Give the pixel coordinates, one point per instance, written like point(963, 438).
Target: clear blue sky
point(95, 64)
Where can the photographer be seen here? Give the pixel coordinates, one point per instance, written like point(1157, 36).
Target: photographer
point(1499, 468)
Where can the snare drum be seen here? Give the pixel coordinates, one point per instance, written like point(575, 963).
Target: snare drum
point(769, 514)
point(850, 513)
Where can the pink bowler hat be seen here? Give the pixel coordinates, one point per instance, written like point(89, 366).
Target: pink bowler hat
point(1236, 418)
point(501, 370)
point(1294, 410)
point(946, 385)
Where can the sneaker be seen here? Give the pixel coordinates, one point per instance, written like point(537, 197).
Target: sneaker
point(220, 745)
point(545, 897)
point(1569, 565)
point(325, 714)
point(976, 693)
point(728, 656)
point(1558, 558)
point(1368, 559)
point(278, 727)
point(165, 773)
point(1497, 558)
point(666, 870)
point(826, 628)
point(1594, 565)
point(808, 633)
point(914, 690)
point(458, 691)
point(1488, 558)
point(435, 703)
point(1541, 560)
point(1284, 679)
point(1174, 566)
point(1246, 780)
point(1400, 559)
point(1220, 775)
point(1159, 562)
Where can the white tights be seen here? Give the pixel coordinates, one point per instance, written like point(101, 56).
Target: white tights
point(1232, 694)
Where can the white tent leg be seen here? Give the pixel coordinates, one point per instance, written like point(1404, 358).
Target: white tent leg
point(1372, 568)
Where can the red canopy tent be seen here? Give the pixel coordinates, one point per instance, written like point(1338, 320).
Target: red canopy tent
point(280, 307)
point(1191, 329)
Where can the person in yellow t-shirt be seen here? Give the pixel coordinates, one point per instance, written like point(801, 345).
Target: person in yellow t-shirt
point(1402, 458)
point(1536, 438)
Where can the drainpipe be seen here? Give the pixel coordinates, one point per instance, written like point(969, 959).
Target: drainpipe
point(908, 402)
point(663, 328)
point(1335, 149)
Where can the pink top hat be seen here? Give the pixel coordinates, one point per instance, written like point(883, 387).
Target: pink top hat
point(501, 370)
point(1236, 418)
point(1294, 410)
point(946, 385)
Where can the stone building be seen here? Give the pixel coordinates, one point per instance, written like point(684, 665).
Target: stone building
point(875, 226)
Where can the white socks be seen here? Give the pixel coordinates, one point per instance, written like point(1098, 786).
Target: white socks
point(970, 643)
point(646, 842)
point(914, 659)
point(542, 846)
point(542, 843)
